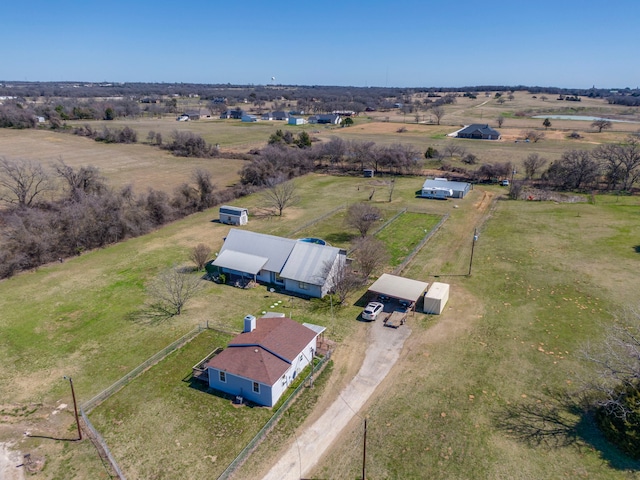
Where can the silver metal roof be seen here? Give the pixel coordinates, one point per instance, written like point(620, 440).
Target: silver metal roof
point(399, 287)
point(242, 262)
point(429, 184)
point(308, 263)
point(275, 250)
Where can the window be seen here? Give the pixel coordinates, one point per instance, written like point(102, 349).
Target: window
point(223, 377)
point(256, 387)
point(303, 286)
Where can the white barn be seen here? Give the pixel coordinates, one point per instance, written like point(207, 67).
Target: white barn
point(231, 215)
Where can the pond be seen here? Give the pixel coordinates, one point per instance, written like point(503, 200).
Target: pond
point(581, 117)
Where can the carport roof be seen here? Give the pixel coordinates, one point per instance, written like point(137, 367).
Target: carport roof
point(399, 287)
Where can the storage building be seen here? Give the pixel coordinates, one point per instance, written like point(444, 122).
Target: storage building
point(234, 215)
point(436, 298)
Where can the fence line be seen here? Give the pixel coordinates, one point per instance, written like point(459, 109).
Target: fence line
point(107, 392)
point(255, 441)
point(101, 445)
point(386, 224)
point(318, 219)
point(418, 247)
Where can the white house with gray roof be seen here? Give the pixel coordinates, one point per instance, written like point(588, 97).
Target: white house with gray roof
point(294, 266)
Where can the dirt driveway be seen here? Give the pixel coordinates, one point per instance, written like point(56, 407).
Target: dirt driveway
point(383, 350)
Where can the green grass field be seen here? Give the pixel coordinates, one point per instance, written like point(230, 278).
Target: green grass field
point(545, 275)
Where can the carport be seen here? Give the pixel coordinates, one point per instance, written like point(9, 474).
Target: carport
point(399, 288)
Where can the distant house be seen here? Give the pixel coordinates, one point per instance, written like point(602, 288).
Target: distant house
point(479, 132)
point(235, 114)
point(249, 118)
point(294, 266)
point(443, 188)
point(296, 121)
point(234, 215)
point(261, 362)
point(331, 118)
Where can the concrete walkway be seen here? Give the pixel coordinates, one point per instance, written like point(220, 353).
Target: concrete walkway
point(385, 345)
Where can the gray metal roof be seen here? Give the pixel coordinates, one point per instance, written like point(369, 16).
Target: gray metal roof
point(308, 263)
point(242, 262)
point(274, 249)
point(428, 184)
point(399, 287)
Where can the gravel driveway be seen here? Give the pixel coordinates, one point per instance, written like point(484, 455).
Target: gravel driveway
point(383, 351)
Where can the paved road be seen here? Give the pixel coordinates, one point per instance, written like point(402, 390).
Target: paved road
point(383, 352)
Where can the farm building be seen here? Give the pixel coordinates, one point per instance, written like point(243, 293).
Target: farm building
point(441, 186)
point(436, 298)
point(404, 290)
point(275, 116)
point(234, 215)
point(297, 121)
point(294, 266)
point(249, 118)
point(479, 131)
point(235, 114)
point(261, 362)
point(331, 118)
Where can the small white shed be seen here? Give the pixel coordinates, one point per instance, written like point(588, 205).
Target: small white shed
point(234, 215)
point(436, 298)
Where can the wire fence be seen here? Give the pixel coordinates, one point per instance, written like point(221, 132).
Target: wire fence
point(107, 392)
point(255, 441)
point(101, 445)
point(317, 219)
point(418, 247)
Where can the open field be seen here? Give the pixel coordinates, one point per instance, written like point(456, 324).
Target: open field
point(544, 276)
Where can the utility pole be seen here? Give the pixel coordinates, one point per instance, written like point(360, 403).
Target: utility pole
point(473, 244)
point(364, 453)
point(75, 406)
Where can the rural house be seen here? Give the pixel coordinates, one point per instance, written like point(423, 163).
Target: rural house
point(296, 120)
point(261, 362)
point(332, 118)
point(235, 114)
point(443, 188)
point(234, 215)
point(479, 131)
point(294, 266)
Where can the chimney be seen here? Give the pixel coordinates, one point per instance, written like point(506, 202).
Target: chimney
point(249, 324)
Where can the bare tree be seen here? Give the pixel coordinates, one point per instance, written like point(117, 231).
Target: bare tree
point(621, 163)
point(533, 135)
point(532, 164)
point(172, 289)
point(200, 255)
point(22, 181)
point(362, 216)
point(342, 279)
point(576, 169)
point(279, 194)
point(205, 188)
point(601, 124)
point(437, 112)
point(370, 255)
point(500, 121)
point(453, 149)
point(83, 181)
point(614, 387)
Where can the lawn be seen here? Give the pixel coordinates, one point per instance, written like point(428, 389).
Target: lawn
point(545, 278)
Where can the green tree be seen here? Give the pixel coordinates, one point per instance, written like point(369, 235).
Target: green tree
point(546, 124)
point(347, 122)
point(304, 140)
point(109, 114)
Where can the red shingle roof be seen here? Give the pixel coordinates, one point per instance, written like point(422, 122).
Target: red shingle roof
point(266, 353)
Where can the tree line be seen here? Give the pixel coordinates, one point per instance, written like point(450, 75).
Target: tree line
point(63, 211)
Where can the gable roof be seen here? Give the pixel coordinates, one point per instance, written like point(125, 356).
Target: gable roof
point(482, 129)
point(241, 262)
point(276, 250)
point(266, 353)
point(308, 263)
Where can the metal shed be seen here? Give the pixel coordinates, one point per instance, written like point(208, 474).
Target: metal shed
point(458, 189)
point(399, 288)
point(436, 298)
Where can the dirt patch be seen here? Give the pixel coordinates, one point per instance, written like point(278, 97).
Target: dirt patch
point(11, 463)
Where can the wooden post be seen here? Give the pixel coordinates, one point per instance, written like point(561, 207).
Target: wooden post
point(75, 407)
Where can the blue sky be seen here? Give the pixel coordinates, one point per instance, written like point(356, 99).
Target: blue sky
point(402, 43)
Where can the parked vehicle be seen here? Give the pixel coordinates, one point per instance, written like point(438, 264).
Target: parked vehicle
point(372, 310)
point(504, 183)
